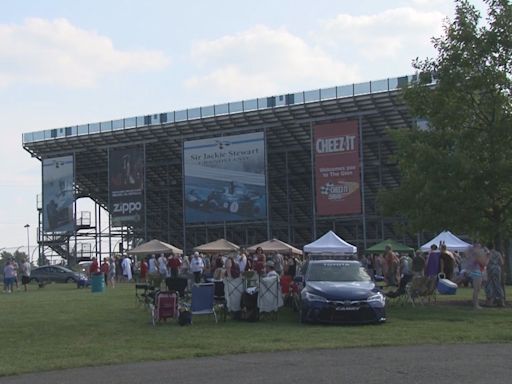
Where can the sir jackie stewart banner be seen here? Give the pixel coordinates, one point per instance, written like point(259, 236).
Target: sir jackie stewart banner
point(337, 169)
point(225, 178)
point(126, 176)
point(58, 196)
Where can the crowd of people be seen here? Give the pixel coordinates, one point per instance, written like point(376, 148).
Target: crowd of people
point(12, 272)
point(479, 266)
point(197, 268)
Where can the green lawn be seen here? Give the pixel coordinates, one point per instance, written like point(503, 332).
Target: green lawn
point(60, 326)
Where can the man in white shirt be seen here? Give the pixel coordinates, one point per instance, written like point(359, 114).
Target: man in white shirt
point(196, 267)
point(25, 273)
point(241, 260)
point(162, 266)
point(127, 268)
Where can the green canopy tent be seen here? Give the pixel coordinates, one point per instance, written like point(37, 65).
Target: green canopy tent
point(395, 246)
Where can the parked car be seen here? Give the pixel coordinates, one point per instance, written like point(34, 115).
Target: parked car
point(340, 291)
point(56, 274)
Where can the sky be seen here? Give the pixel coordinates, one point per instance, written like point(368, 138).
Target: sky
point(72, 62)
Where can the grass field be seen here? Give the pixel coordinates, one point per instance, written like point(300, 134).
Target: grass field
point(60, 326)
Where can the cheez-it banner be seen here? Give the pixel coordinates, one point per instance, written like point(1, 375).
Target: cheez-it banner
point(337, 168)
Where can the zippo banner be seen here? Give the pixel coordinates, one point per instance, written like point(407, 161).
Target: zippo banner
point(337, 168)
point(126, 174)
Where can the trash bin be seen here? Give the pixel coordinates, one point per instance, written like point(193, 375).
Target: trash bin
point(97, 282)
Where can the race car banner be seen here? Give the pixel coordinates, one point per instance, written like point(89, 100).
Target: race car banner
point(225, 178)
point(126, 179)
point(337, 168)
point(58, 195)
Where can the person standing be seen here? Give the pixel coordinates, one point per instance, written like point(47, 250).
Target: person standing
point(259, 261)
point(196, 267)
point(105, 268)
point(476, 267)
point(433, 263)
point(447, 262)
point(126, 264)
point(25, 273)
point(174, 265)
point(162, 266)
point(391, 266)
point(94, 267)
point(278, 260)
point(241, 259)
point(143, 270)
point(112, 272)
point(16, 267)
point(9, 274)
point(494, 289)
point(418, 264)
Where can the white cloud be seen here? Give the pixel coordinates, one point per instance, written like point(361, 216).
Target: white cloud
point(393, 34)
point(56, 52)
point(262, 61)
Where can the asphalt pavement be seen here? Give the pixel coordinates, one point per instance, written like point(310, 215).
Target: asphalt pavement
point(461, 363)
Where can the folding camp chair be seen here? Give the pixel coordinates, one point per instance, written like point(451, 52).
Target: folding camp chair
point(202, 300)
point(422, 287)
point(233, 291)
point(177, 284)
point(165, 307)
point(270, 297)
point(219, 297)
point(141, 293)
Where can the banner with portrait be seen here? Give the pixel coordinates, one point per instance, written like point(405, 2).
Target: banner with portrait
point(225, 178)
point(58, 194)
point(126, 186)
point(337, 168)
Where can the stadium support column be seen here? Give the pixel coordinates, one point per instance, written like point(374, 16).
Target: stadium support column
point(145, 194)
point(288, 203)
point(313, 188)
point(184, 224)
point(109, 235)
point(363, 199)
point(380, 187)
point(269, 229)
point(108, 206)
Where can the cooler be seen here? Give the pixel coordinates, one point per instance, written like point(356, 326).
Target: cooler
point(446, 287)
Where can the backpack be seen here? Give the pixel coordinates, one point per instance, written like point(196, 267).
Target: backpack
point(185, 318)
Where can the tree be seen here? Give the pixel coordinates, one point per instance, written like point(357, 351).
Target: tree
point(457, 173)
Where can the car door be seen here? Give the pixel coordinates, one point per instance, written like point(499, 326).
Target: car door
point(60, 275)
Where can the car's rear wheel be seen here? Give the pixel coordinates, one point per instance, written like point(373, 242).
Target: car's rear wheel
point(34, 280)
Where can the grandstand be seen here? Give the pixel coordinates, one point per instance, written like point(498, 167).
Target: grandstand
point(287, 123)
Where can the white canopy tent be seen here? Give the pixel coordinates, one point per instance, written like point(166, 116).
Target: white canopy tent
point(330, 243)
point(452, 242)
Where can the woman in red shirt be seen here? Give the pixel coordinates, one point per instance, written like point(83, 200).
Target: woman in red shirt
point(143, 270)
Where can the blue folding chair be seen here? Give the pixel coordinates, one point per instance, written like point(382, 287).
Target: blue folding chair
point(203, 302)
